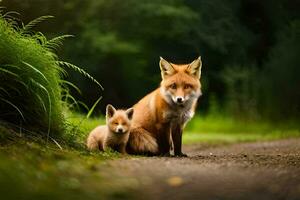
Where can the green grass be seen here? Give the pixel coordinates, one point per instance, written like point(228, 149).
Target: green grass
point(215, 130)
point(210, 130)
point(223, 124)
point(33, 94)
point(30, 81)
point(226, 138)
point(32, 169)
point(78, 128)
point(205, 130)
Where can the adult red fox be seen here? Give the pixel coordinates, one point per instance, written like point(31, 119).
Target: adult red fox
point(160, 116)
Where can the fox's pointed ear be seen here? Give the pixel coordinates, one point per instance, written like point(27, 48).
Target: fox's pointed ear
point(110, 111)
point(195, 68)
point(129, 113)
point(166, 68)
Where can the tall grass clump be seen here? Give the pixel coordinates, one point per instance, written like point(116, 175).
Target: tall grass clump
point(31, 85)
point(30, 92)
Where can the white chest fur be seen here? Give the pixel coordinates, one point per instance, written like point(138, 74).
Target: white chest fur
point(179, 114)
point(116, 139)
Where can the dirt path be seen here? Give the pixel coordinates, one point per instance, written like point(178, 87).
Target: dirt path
point(264, 170)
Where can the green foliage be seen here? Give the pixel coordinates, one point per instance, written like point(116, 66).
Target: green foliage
point(281, 75)
point(78, 128)
point(224, 124)
point(243, 43)
point(30, 81)
point(32, 169)
point(243, 85)
point(221, 129)
point(80, 70)
point(32, 89)
point(56, 42)
point(93, 108)
point(28, 27)
point(228, 138)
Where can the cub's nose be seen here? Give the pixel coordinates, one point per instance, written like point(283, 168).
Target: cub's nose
point(120, 130)
point(179, 99)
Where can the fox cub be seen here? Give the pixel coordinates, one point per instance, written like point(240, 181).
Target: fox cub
point(114, 134)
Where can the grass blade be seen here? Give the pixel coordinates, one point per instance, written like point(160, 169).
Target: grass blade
point(34, 22)
point(92, 108)
point(83, 104)
point(49, 101)
point(14, 106)
point(80, 71)
point(5, 91)
point(56, 42)
point(8, 72)
point(72, 85)
point(36, 70)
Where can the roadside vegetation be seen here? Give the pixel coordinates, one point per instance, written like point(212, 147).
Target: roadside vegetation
point(42, 148)
point(223, 129)
point(34, 96)
point(43, 130)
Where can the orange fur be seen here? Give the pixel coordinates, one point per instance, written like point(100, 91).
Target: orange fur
point(114, 134)
point(158, 117)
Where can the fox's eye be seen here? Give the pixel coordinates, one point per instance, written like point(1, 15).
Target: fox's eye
point(173, 86)
point(187, 86)
point(116, 123)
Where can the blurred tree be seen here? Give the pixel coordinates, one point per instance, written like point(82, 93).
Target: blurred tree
point(243, 44)
point(281, 75)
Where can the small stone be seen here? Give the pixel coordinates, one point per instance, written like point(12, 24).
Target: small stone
point(175, 181)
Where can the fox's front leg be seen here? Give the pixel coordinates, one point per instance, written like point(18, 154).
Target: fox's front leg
point(164, 141)
point(177, 139)
point(122, 148)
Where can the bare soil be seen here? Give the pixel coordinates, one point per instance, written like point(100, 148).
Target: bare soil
point(261, 170)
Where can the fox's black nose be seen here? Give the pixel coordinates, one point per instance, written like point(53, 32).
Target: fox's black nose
point(179, 99)
point(120, 130)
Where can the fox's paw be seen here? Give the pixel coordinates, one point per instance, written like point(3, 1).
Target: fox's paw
point(181, 155)
point(165, 154)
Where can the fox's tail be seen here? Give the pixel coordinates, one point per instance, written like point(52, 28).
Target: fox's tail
point(141, 142)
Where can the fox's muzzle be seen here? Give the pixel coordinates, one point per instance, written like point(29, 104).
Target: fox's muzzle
point(179, 100)
point(120, 129)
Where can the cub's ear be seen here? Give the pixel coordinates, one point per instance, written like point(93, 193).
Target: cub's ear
point(166, 68)
point(194, 68)
point(110, 111)
point(129, 113)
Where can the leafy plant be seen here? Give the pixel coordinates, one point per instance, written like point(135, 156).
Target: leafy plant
point(32, 90)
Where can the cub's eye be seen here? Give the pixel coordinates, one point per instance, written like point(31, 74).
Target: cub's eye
point(116, 123)
point(173, 86)
point(187, 86)
point(123, 124)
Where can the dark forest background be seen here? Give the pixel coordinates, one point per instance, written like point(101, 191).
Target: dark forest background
point(249, 48)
